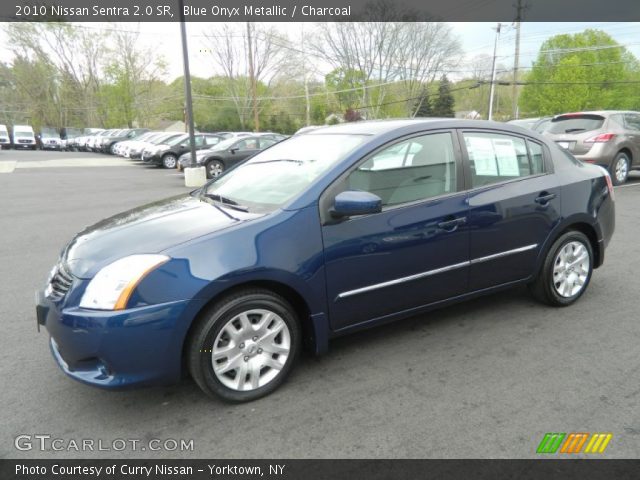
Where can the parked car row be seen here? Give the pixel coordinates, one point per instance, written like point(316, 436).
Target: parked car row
point(608, 138)
point(217, 151)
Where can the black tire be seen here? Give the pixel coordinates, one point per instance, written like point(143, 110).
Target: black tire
point(169, 160)
point(544, 287)
point(205, 332)
point(112, 149)
point(620, 167)
point(214, 168)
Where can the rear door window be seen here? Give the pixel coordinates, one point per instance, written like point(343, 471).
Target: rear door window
point(495, 158)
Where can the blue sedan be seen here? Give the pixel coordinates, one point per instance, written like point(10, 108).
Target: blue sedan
point(329, 232)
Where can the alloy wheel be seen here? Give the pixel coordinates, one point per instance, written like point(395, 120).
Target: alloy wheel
point(571, 269)
point(621, 170)
point(169, 161)
point(251, 350)
point(215, 169)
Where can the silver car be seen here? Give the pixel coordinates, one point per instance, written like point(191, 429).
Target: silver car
point(607, 138)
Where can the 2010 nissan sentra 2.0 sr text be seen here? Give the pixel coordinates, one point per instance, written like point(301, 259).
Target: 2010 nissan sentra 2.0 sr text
point(325, 233)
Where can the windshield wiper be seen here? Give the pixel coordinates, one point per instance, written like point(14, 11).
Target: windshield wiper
point(226, 201)
point(571, 130)
point(299, 162)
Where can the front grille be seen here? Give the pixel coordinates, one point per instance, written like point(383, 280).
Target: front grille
point(24, 141)
point(60, 283)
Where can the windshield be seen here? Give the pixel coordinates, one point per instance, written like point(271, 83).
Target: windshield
point(276, 175)
point(575, 124)
point(224, 144)
point(164, 138)
point(145, 136)
point(23, 134)
point(49, 132)
point(177, 140)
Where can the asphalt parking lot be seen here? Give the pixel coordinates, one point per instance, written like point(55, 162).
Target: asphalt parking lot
point(483, 379)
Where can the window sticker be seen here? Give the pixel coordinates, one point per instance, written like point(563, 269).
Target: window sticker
point(506, 157)
point(481, 152)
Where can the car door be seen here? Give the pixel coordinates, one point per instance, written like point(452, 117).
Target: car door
point(514, 203)
point(412, 253)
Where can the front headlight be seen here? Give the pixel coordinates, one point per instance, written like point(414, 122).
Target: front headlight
point(112, 286)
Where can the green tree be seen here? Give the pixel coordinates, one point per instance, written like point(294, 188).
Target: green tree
point(583, 71)
point(422, 106)
point(347, 85)
point(444, 103)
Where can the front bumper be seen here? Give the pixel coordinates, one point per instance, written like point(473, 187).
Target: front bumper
point(117, 349)
point(51, 146)
point(148, 157)
point(600, 154)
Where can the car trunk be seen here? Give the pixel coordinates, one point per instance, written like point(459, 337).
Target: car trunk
point(571, 131)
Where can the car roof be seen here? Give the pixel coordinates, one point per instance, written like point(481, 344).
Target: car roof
point(406, 126)
point(602, 113)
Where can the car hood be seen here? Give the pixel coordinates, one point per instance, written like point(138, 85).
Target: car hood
point(150, 228)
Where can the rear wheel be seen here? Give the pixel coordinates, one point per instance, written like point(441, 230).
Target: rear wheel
point(244, 346)
point(566, 270)
point(214, 168)
point(620, 168)
point(169, 161)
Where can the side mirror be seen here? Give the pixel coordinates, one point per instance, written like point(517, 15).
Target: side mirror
point(233, 150)
point(355, 202)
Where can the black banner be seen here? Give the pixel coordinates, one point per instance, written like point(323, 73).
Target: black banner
point(318, 469)
point(317, 10)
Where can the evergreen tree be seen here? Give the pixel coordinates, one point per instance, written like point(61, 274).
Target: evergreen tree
point(422, 106)
point(443, 105)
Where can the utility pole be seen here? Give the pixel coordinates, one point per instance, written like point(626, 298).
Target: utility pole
point(493, 73)
point(516, 62)
point(193, 164)
point(188, 107)
point(254, 98)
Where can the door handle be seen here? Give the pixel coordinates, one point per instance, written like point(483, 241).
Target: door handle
point(545, 198)
point(451, 225)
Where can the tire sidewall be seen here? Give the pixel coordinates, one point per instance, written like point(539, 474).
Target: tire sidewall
point(166, 157)
point(213, 324)
point(617, 158)
point(208, 167)
point(547, 271)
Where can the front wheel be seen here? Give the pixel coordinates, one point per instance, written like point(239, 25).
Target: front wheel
point(169, 161)
point(620, 168)
point(566, 270)
point(214, 168)
point(244, 346)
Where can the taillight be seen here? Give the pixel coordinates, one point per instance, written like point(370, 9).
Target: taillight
point(607, 177)
point(602, 138)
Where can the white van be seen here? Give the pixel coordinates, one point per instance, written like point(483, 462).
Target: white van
point(5, 141)
point(23, 137)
